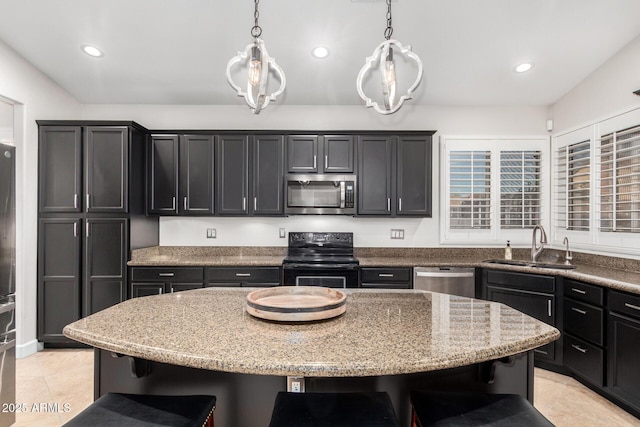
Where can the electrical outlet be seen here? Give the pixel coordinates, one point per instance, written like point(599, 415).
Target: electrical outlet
point(211, 233)
point(397, 233)
point(283, 233)
point(295, 384)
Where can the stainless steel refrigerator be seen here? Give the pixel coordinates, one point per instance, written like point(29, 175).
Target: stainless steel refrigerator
point(7, 284)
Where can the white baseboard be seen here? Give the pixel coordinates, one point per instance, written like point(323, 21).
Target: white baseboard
point(25, 350)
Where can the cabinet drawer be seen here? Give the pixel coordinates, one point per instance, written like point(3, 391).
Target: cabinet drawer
point(584, 359)
point(167, 274)
point(584, 292)
point(522, 281)
point(584, 321)
point(243, 274)
point(624, 303)
point(385, 275)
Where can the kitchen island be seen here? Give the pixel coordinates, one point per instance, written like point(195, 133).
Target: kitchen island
point(204, 341)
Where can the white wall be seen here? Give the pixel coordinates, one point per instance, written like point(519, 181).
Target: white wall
point(604, 93)
point(369, 232)
point(36, 97)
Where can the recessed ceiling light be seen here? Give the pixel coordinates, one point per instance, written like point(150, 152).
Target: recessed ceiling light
point(320, 52)
point(524, 67)
point(92, 51)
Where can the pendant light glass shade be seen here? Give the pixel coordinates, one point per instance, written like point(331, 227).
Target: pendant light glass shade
point(383, 59)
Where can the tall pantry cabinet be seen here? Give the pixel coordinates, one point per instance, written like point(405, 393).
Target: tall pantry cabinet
point(91, 207)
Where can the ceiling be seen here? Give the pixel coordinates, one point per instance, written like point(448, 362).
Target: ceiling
point(176, 51)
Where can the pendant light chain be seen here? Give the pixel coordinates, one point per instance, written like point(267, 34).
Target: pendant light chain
point(389, 30)
point(256, 30)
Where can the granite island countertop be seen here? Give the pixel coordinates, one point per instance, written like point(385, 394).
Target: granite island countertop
point(381, 333)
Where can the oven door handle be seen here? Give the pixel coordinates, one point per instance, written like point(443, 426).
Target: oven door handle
point(295, 266)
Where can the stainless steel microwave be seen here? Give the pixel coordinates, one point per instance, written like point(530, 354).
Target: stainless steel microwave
point(320, 194)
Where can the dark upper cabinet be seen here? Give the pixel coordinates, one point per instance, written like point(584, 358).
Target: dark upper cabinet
point(338, 153)
point(302, 153)
point(413, 185)
point(59, 277)
point(232, 175)
point(162, 161)
point(105, 260)
point(181, 172)
point(375, 173)
point(394, 175)
point(105, 169)
point(267, 187)
point(196, 175)
point(60, 166)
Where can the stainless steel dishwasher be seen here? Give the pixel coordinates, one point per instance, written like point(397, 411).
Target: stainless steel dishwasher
point(446, 280)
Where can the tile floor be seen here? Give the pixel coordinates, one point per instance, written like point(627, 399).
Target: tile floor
point(66, 377)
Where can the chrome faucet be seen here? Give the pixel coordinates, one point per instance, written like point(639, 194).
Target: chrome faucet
point(567, 255)
point(536, 250)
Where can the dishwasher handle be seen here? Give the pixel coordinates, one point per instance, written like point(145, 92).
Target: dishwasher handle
point(444, 273)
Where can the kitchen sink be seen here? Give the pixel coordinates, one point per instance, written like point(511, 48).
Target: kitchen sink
point(530, 264)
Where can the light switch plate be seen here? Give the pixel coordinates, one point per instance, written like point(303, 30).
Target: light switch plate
point(283, 233)
point(211, 233)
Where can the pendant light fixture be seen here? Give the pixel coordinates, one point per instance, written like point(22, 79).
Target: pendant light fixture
point(258, 64)
point(383, 58)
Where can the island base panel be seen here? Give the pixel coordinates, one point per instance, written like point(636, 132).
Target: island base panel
point(245, 399)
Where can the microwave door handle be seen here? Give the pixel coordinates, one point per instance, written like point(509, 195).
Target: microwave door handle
point(342, 193)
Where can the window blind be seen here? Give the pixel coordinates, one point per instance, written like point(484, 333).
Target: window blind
point(520, 189)
point(573, 172)
point(470, 189)
point(619, 181)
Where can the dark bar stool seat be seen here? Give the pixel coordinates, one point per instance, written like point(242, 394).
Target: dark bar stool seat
point(137, 410)
point(441, 409)
point(333, 410)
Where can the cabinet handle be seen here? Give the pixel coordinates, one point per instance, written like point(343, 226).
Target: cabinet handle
point(184, 202)
point(88, 227)
point(577, 310)
point(75, 229)
point(173, 203)
point(400, 204)
point(385, 275)
point(388, 204)
point(540, 351)
point(244, 203)
point(75, 200)
point(243, 274)
point(549, 307)
point(314, 161)
point(166, 274)
point(580, 291)
point(635, 307)
point(88, 200)
point(255, 203)
point(326, 160)
point(580, 349)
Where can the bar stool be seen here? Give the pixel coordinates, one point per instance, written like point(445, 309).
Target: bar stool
point(333, 410)
point(440, 409)
point(139, 410)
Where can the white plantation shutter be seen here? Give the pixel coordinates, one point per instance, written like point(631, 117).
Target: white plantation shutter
point(520, 189)
point(619, 181)
point(469, 189)
point(572, 186)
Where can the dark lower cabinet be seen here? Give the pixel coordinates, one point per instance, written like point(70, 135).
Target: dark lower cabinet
point(623, 369)
point(532, 294)
point(147, 281)
point(386, 277)
point(244, 276)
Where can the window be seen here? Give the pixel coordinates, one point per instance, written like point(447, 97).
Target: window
point(492, 189)
point(573, 194)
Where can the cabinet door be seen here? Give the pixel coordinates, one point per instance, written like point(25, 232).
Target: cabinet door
point(163, 174)
point(338, 153)
point(179, 287)
point(105, 169)
point(146, 289)
point(268, 170)
point(196, 175)
point(58, 277)
point(539, 306)
point(302, 153)
point(413, 186)
point(105, 275)
point(374, 175)
point(232, 175)
point(60, 169)
point(623, 377)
